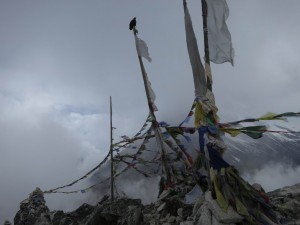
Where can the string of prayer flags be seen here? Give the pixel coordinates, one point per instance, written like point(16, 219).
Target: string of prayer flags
point(268, 116)
point(176, 146)
point(144, 125)
point(254, 132)
point(187, 138)
point(190, 114)
point(90, 187)
point(125, 137)
point(163, 124)
point(81, 178)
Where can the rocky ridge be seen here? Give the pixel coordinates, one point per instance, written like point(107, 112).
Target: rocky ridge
point(169, 209)
point(287, 202)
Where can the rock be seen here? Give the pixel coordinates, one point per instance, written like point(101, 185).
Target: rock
point(198, 204)
point(179, 219)
point(214, 221)
point(287, 202)
point(180, 212)
point(123, 211)
point(32, 209)
point(171, 210)
point(205, 216)
point(187, 223)
point(44, 219)
point(134, 216)
point(7, 223)
point(163, 195)
point(171, 219)
point(257, 187)
point(78, 216)
point(172, 205)
point(161, 207)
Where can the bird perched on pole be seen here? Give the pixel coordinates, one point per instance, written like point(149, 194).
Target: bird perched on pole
point(132, 25)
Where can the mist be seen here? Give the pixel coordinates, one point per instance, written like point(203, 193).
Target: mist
point(274, 175)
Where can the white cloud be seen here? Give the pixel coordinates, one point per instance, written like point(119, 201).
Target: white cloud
point(274, 175)
point(37, 149)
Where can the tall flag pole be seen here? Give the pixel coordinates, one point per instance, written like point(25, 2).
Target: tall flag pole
point(111, 155)
point(206, 48)
point(200, 81)
point(142, 51)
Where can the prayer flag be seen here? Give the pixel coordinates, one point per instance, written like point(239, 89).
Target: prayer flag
point(142, 48)
point(192, 46)
point(219, 37)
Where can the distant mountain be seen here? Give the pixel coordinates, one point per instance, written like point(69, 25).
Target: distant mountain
point(247, 154)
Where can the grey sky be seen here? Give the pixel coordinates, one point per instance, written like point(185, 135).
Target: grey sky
point(61, 60)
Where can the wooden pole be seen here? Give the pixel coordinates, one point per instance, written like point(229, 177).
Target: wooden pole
point(155, 125)
point(205, 33)
point(111, 155)
point(209, 86)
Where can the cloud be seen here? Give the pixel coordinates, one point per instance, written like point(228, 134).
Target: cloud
point(274, 175)
point(38, 150)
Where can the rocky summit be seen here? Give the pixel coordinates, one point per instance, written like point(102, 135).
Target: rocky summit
point(287, 202)
point(169, 209)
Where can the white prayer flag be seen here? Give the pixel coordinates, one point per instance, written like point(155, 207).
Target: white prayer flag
point(192, 46)
point(152, 94)
point(142, 48)
point(219, 38)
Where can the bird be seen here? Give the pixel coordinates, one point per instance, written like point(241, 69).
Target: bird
point(132, 23)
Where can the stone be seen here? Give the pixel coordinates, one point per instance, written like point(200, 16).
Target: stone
point(161, 207)
point(204, 216)
point(7, 223)
point(170, 211)
point(187, 223)
point(180, 212)
point(163, 195)
point(179, 219)
point(134, 215)
point(32, 209)
point(287, 202)
point(171, 219)
point(214, 221)
point(198, 204)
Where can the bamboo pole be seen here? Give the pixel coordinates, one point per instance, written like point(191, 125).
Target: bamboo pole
point(111, 155)
point(209, 86)
point(205, 34)
point(155, 125)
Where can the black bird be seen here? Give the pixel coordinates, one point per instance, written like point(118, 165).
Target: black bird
point(132, 23)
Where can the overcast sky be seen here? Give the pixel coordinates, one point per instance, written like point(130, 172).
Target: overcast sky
point(61, 60)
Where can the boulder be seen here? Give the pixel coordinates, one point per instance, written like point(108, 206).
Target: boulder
point(287, 203)
point(204, 215)
point(32, 209)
